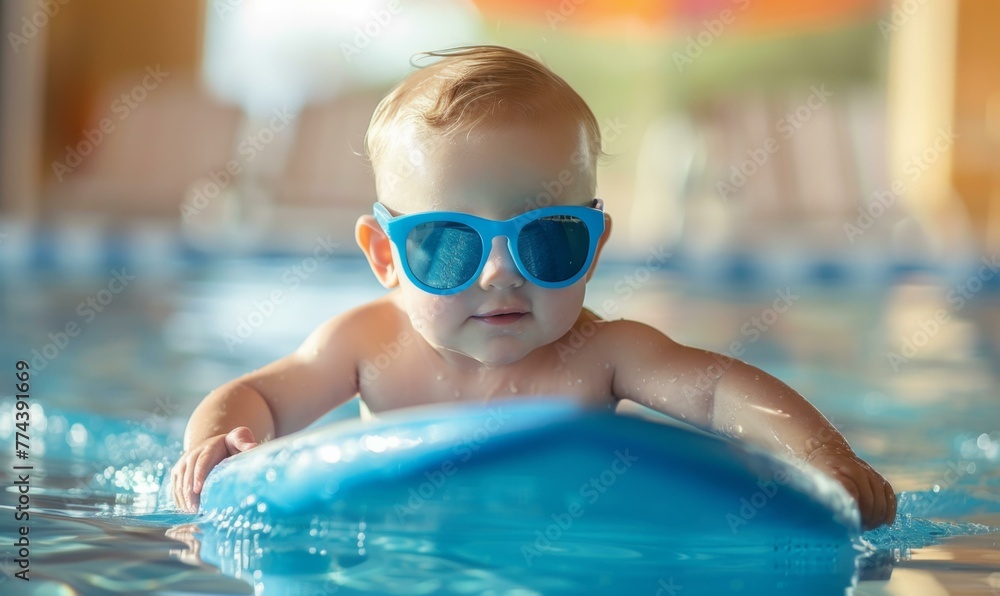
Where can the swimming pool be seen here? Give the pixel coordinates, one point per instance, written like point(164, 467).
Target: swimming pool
point(121, 349)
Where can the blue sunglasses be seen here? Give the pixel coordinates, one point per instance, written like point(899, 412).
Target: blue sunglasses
point(444, 252)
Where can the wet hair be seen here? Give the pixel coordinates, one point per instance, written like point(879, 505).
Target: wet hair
point(476, 86)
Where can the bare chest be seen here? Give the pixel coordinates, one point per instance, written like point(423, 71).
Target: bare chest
point(416, 382)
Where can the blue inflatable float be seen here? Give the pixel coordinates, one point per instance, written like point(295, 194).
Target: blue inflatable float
point(538, 494)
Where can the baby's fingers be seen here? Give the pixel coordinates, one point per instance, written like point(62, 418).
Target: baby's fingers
point(208, 459)
point(240, 439)
point(866, 499)
point(890, 499)
point(879, 503)
point(181, 476)
point(188, 483)
point(177, 478)
point(885, 501)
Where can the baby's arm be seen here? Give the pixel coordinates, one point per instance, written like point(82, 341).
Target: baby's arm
point(278, 399)
point(727, 396)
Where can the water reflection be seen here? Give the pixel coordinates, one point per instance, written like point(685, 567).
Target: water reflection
point(95, 530)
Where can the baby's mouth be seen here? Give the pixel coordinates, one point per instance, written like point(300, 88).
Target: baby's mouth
point(500, 317)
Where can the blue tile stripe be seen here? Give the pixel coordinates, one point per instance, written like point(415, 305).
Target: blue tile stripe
point(83, 251)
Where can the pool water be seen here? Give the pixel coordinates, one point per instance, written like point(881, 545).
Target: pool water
point(117, 365)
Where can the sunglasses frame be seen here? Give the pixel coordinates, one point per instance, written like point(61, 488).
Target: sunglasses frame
point(398, 228)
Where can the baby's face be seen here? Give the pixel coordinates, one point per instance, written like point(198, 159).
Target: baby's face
point(496, 174)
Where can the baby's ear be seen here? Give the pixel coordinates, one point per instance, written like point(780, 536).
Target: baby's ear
point(378, 250)
point(600, 244)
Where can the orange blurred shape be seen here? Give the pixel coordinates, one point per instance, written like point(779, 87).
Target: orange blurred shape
point(580, 13)
point(658, 14)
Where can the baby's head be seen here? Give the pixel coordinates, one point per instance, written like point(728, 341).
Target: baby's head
point(492, 133)
point(467, 94)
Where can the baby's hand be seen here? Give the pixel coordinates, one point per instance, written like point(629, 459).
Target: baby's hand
point(190, 471)
point(874, 495)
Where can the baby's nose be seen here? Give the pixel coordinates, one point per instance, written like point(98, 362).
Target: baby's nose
point(500, 270)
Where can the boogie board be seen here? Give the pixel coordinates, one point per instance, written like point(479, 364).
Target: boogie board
point(540, 486)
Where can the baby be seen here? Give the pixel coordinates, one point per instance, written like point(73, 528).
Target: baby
point(488, 275)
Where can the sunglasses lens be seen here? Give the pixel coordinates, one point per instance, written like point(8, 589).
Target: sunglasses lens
point(554, 249)
point(443, 255)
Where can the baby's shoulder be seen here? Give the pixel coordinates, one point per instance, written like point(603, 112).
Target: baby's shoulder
point(369, 323)
point(613, 330)
point(621, 337)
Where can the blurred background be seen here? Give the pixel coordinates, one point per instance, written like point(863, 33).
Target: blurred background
point(812, 187)
point(864, 129)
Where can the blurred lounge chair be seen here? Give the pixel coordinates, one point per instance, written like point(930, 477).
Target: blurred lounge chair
point(325, 182)
point(145, 164)
point(793, 195)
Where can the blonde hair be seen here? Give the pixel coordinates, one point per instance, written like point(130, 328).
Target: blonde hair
point(474, 85)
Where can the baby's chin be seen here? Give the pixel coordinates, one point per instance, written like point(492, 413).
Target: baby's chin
point(498, 351)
